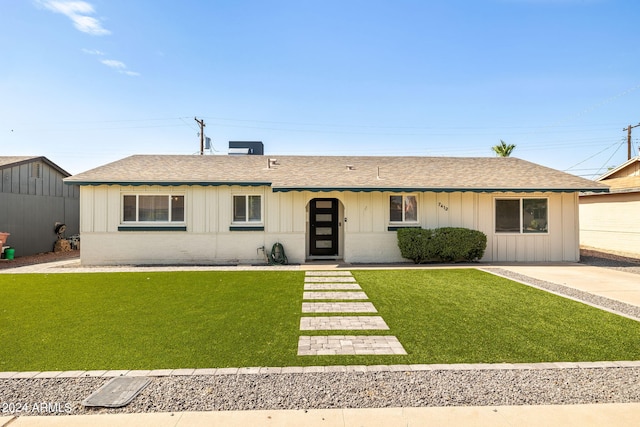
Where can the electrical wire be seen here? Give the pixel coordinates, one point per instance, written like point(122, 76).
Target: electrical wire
point(609, 159)
point(591, 157)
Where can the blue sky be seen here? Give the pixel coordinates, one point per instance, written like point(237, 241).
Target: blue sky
point(88, 82)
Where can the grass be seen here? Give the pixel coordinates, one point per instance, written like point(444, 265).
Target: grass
point(223, 319)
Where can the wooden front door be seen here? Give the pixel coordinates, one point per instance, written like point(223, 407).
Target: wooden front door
point(323, 221)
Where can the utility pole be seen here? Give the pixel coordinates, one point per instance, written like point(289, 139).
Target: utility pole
point(628, 129)
point(202, 125)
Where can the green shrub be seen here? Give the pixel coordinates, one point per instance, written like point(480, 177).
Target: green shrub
point(459, 244)
point(449, 244)
point(415, 244)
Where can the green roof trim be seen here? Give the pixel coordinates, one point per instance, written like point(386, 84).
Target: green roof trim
point(438, 190)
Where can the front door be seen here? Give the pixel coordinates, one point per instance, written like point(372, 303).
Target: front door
point(323, 224)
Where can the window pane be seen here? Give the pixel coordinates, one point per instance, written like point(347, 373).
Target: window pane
point(508, 216)
point(324, 231)
point(324, 244)
point(239, 208)
point(177, 208)
point(255, 209)
point(153, 208)
point(410, 208)
point(324, 204)
point(324, 217)
point(129, 208)
point(534, 216)
point(395, 208)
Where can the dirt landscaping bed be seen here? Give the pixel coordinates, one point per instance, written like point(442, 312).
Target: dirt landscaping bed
point(21, 261)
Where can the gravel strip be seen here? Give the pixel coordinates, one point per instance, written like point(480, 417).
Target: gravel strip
point(610, 304)
point(340, 390)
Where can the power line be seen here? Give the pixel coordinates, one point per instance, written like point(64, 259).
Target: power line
point(591, 157)
point(610, 157)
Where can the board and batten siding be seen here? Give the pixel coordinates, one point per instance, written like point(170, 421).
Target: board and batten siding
point(609, 223)
point(208, 217)
point(33, 198)
point(364, 233)
point(559, 244)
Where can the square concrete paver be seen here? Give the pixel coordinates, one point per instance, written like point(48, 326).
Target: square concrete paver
point(338, 307)
point(346, 323)
point(334, 295)
point(331, 286)
point(328, 273)
point(311, 279)
point(349, 345)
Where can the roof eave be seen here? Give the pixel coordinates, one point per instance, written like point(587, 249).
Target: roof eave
point(167, 183)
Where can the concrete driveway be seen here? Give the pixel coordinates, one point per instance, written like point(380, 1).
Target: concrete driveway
point(617, 285)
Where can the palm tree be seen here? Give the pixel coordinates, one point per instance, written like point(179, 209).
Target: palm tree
point(503, 149)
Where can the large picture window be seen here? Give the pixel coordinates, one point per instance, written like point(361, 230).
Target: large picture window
point(526, 215)
point(247, 208)
point(152, 208)
point(403, 208)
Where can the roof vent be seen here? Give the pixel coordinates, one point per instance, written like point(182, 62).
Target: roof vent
point(351, 168)
point(273, 163)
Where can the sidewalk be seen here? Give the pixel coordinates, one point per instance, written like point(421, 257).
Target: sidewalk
point(613, 415)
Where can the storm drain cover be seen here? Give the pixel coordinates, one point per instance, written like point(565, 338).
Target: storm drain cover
point(118, 392)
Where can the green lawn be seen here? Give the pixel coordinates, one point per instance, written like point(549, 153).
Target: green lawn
point(223, 319)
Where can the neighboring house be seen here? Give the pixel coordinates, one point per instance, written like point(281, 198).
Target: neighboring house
point(33, 199)
point(610, 222)
point(152, 209)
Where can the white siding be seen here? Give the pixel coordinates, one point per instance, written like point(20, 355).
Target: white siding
point(609, 223)
point(559, 244)
point(363, 233)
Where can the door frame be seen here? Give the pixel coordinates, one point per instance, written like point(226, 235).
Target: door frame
point(337, 228)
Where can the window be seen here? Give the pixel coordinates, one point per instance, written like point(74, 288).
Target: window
point(521, 215)
point(247, 208)
point(152, 208)
point(403, 208)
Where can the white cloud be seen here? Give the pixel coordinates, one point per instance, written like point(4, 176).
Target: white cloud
point(78, 12)
point(93, 52)
point(119, 66)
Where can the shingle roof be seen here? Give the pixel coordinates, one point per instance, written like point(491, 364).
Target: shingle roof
point(318, 173)
point(10, 160)
point(19, 160)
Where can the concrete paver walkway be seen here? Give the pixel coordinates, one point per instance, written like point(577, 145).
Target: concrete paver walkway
point(342, 323)
point(340, 344)
point(327, 279)
point(331, 286)
point(338, 307)
point(349, 344)
point(334, 295)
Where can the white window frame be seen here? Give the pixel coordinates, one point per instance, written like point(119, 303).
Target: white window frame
point(404, 221)
point(137, 221)
point(520, 216)
point(247, 222)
